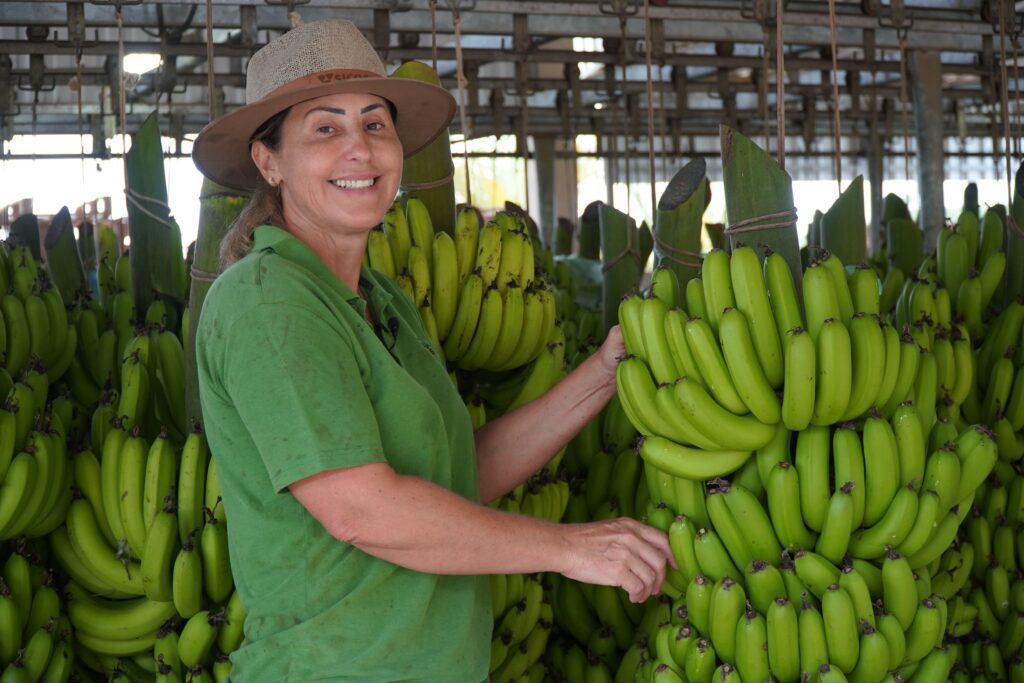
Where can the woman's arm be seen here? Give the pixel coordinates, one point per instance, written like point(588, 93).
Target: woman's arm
point(514, 446)
point(422, 526)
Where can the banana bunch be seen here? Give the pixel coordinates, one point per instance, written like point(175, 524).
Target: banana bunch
point(981, 574)
point(35, 634)
point(478, 292)
point(35, 330)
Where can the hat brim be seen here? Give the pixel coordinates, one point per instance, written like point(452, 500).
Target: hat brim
point(221, 151)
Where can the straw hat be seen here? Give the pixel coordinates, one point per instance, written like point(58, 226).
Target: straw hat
point(312, 60)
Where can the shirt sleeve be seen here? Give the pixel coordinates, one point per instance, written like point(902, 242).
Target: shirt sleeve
point(294, 379)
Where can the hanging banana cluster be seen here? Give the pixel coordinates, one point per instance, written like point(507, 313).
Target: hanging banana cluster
point(35, 635)
point(477, 293)
point(102, 482)
point(827, 467)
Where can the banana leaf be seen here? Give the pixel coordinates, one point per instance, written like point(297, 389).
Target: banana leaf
point(905, 244)
point(814, 231)
point(844, 230)
point(1015, 242)
point(157, 260)
point(218, 208)
point(623, 260)
point(432, 164)
point(894, 207)
point(24, 232)
point(62, 259)
point(87, 245)
point(756, 186)
point(679, 220)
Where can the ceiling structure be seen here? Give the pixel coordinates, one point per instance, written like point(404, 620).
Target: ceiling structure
point(554, 68)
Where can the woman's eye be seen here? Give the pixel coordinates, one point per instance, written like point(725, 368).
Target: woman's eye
point(325, 129)
point(376, 125)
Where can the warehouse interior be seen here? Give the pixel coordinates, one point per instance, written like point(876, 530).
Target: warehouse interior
point(915, 87)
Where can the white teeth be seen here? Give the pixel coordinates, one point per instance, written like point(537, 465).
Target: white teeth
point(353, 184)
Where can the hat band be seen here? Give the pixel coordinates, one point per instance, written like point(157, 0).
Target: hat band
point(320, 78)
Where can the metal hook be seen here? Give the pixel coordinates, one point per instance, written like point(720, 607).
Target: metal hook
point(620, 8)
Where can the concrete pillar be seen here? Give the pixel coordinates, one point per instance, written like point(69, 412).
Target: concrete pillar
point(926, 84)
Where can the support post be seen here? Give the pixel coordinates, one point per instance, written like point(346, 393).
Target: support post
point(926, 82)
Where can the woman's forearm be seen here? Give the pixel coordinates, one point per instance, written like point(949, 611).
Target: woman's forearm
point(417, 524)
point(514, 446)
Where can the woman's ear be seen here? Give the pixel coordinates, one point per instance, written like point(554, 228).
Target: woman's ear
point(266, 162)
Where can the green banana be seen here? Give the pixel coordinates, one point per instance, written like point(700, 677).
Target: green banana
point(840, 628)
point(742, 360)
point(833, 372)
point(800, 379)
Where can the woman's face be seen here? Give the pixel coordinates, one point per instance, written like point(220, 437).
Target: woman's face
point(339, 163)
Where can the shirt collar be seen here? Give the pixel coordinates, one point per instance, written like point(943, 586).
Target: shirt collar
point(286, 245)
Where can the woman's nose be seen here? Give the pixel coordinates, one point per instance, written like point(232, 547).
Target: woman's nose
point(358, 146)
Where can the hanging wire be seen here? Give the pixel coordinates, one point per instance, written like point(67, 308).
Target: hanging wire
point(461, 78)
point(650, 111)
point(433, 32)
point(625, 108)
point(209, 58)
point(1004, 103)
point(780, 86)
point(837, 130)
point(81, 127)
point(1016, 93)
point(904, 104)
point(663, 121)
point(121, 102)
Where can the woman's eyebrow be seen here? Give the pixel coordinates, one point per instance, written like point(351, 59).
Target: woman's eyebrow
point(336, 110)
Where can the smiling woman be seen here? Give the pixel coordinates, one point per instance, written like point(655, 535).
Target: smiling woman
point(347, 460)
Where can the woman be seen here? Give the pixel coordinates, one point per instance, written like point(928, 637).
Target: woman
point(350, 472)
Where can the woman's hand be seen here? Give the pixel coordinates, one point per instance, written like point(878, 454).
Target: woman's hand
point(612, 350)
point(618, 552)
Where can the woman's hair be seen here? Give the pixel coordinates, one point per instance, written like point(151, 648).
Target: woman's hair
point(264, 207)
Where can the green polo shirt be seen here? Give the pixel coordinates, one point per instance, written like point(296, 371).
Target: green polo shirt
point(294, 381)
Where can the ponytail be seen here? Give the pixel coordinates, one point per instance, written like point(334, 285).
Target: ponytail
point(264, 207)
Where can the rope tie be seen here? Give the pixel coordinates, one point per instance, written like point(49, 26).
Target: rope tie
point(780, 85)
point(461, 78)
point(781, 219)
point(650, 111)
point(136, 199)
point(215, 195)
point(203, 275)
point(628, 250)
point(1013, 225)
point(683, 257)
point(431, 184)
point(835, 95)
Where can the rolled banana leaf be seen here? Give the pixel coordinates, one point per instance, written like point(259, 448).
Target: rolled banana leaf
point(894, 207)
point(563, 237)
point(756, 186)
point(679, 220)
point(590, 231)
point(157, 259)
point(1015, 242)
point(62, 258)
point(623, 262)
point(844, 229)
point(905, 243)
point(971, 199)
point(814, 231)
point(429, 174)
point(218, 208)
point(24, 232)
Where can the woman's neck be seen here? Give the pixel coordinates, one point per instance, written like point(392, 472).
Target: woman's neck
point(342, 253)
